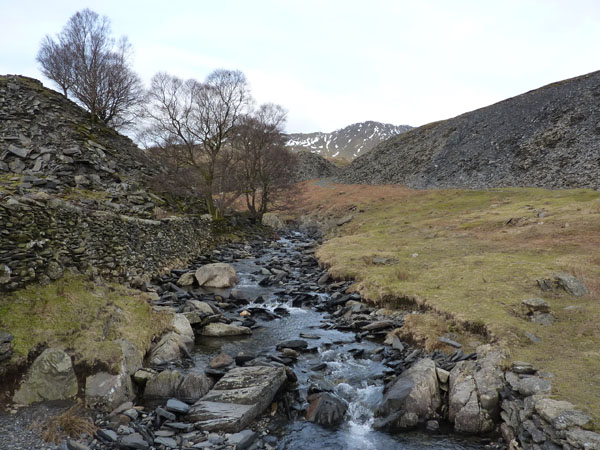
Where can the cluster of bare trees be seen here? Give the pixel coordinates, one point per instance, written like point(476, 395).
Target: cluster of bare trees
point(212, 128)
point(215, 145)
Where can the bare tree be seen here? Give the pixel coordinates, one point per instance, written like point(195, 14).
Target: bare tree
point(199, 118)
point(266, 167)
point(93, 68)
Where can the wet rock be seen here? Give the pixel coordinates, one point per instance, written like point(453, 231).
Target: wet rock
point(242, 440)
point(217, 275)
point(169, 348)
point(412, 398)
point(221, 361)
point(241, 395)
point(224, 329)
point(326, 409)
point(104, 391)
point(294, 344)
point(51, 377)
point(177, 406)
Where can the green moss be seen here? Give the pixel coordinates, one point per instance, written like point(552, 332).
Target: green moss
point(84, 318)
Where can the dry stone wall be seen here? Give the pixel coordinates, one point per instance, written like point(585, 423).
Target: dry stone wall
point(41, 237)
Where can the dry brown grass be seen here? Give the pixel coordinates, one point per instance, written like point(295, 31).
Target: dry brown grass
point(72, 423)
point(471, 257)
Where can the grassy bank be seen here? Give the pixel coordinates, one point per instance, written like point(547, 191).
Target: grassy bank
point(470, 258)
point(82, 317)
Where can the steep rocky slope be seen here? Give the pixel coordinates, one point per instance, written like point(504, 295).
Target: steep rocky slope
point(346, 143)
point(48, 143)
point(312, 165)
point(549, 137)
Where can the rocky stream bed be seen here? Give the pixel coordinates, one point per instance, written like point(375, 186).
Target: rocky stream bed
point(284, 360)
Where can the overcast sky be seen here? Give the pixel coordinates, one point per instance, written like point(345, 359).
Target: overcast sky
point(333, 63)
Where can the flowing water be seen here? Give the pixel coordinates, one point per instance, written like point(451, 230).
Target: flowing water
point(356, 379)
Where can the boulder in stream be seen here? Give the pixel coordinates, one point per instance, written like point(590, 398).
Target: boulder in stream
point(217, 275)
point(413, 398)
point(326, 409)
point(237, 398)
point(224, 329)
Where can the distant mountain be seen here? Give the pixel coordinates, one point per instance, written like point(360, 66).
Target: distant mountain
point(346, 143)
point(548, 137)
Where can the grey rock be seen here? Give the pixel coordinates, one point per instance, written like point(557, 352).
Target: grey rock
point(217, 275)
point(166, 441)
point(169, 348)
point(5, 273)
point(326, 409)
point(274, 221)
point(582, 439)
point(525, 368)
point(107, 435)
point(412, 398)
point(533, 385)
point(75, 445)
point(450, 342)
point(134, 441)
point(193, 386)
point(19, 151)
point(51, 377)
point(224, 329)
point(242, 440)
point(177, 406)
point(237, 398)
point(571, 284)
point(532, 305)
point(163, 386)
point(294, 344)
point(187, 279)
point(105, 391)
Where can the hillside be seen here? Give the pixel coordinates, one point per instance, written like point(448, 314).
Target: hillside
point(346, 143)
point(311, 165)
point(48, 143)
point(548, 137)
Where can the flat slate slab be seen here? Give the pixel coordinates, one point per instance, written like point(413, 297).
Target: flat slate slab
point(239, 397)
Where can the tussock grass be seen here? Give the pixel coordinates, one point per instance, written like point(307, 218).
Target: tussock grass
point(471, 257)
point(71, 423)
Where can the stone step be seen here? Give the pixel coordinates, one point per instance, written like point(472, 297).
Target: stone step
point(238, 398)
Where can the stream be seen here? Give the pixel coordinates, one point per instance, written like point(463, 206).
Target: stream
point(350, 365)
